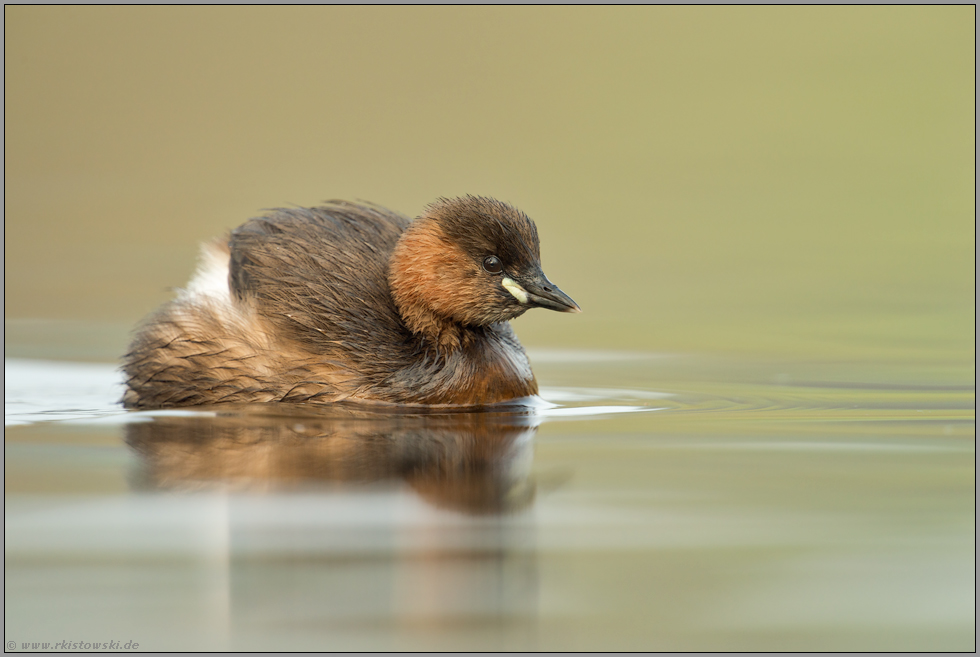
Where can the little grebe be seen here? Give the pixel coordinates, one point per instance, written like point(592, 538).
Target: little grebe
point(351, 301)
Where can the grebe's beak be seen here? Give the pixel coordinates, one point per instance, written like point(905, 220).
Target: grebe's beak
point(538, 292)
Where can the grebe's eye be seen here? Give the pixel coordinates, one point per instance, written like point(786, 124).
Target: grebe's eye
point(493, 265)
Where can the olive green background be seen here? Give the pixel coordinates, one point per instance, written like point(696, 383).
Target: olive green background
point(753, 180)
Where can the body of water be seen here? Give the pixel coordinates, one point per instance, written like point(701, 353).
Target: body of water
point(713, 504)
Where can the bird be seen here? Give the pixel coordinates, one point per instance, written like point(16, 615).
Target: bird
point(351, 302)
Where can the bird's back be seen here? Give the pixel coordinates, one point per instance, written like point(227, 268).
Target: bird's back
point(319, 275)
point(295, 306)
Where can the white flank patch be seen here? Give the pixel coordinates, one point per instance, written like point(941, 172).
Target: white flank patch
point(211, 277)
point(210, 287)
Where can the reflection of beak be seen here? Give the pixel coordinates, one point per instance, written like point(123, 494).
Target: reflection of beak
point(537, 291)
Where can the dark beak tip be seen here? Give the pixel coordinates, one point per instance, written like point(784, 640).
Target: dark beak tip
point(545, 294)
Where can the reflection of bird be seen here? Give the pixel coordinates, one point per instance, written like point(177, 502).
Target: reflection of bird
point(351, 301)
point(470, 462)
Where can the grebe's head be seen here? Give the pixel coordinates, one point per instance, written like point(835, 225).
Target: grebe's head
point(471, 261)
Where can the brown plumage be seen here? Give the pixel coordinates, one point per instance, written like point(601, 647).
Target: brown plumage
point(351, 301)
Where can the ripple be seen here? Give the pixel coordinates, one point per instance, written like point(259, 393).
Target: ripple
point(593, 411)
point(51, 391)
point(555, 394)
point(48, 391)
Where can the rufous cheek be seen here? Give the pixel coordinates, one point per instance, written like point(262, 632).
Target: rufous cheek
point(430, 275)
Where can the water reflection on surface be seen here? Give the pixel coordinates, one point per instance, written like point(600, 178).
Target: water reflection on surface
point(469, 462)
point(697, 505)
point(332, 520)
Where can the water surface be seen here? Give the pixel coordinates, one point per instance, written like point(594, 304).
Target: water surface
point(711, 504)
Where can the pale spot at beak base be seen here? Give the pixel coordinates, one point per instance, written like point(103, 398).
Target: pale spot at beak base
point(511, 286)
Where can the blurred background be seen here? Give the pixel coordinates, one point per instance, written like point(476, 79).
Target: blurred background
point(752, 180)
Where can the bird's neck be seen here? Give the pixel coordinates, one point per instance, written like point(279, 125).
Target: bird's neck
point(446, 335)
